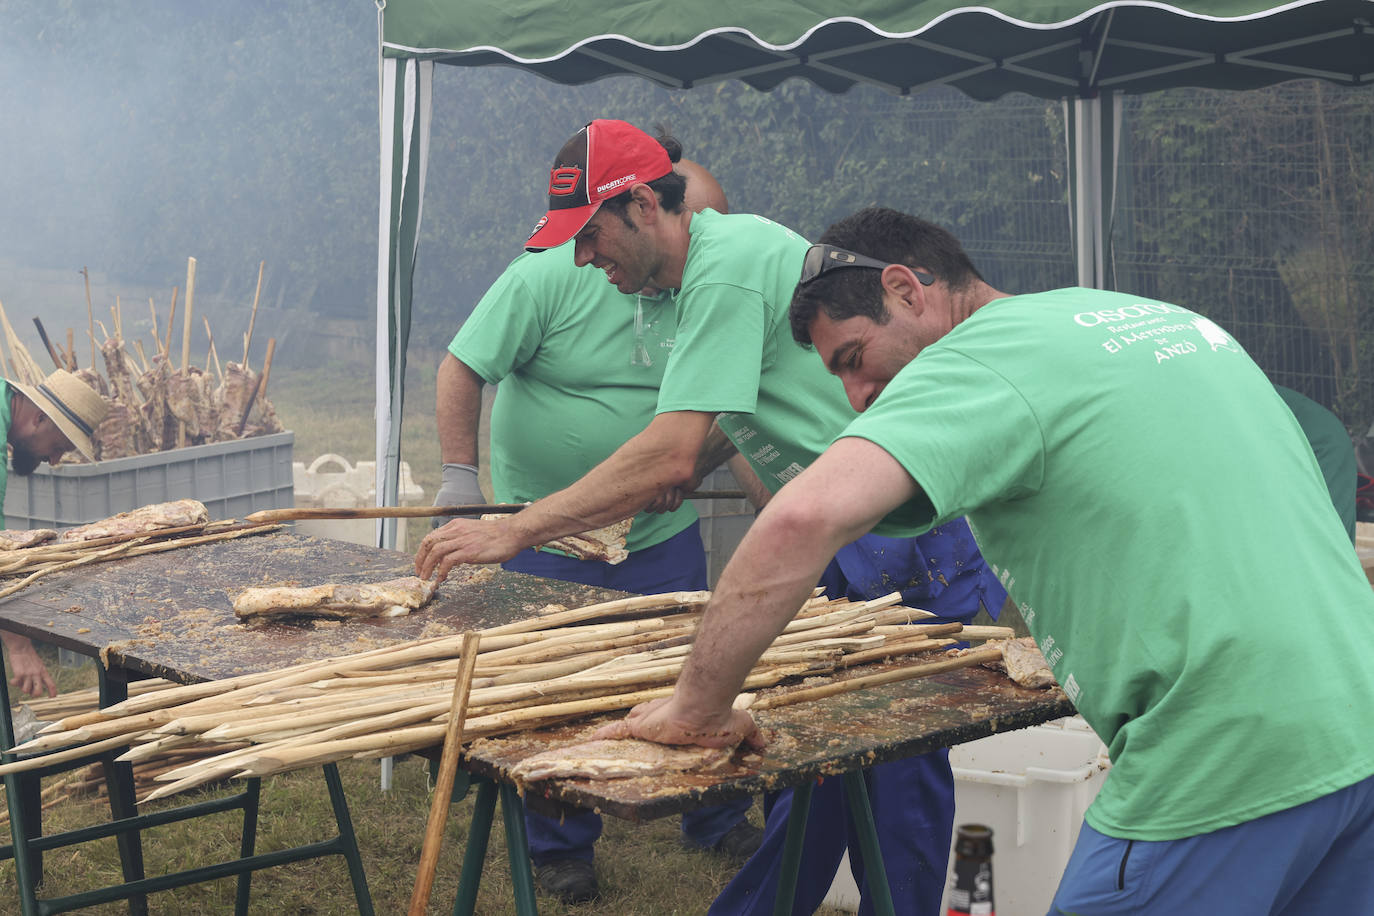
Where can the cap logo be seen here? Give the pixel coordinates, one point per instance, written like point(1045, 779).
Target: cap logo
point(563, 180)
point(540, 225)
point(619, 182)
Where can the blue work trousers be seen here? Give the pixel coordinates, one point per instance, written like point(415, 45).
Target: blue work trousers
point(1314, 858)
point(913, 813)
point(912, 799)
point(677, 564)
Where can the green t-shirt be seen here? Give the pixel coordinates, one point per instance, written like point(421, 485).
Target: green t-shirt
point(1334, 450)
point(579, 365)
point(1160, 520)
point(735, 352)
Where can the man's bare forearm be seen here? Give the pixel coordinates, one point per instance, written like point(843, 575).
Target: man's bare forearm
point(457, 411)
point(715, 451)
point(661, 456)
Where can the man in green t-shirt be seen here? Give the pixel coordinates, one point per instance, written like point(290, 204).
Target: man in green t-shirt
point(1104, 448)
point(734, 371)
point(579, 365)
point(43, 423)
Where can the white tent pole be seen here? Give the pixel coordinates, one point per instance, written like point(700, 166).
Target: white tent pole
point(385, 241)
point(1087, 190)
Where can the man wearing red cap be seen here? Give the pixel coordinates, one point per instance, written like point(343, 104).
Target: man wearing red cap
point(43, 423)
point(734, 366)
point(579, 365)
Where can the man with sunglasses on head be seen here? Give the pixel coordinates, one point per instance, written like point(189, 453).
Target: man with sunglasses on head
point(1104, 447)
point(735, 371)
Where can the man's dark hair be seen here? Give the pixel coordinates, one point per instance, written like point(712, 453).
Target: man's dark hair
point(670, 188)
point(887, 235)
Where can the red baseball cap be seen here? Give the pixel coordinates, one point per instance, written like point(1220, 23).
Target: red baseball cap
point(603, 159)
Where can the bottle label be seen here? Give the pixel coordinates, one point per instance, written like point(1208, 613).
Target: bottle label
point(972, 891)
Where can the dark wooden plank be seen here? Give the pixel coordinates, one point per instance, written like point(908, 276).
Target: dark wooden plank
point(807, 741)
point(171, 614)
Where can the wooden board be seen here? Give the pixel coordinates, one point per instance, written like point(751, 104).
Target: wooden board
point(807, 741)
point(171, 614)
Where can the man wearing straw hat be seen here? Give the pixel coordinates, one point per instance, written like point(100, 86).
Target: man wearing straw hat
point(43, 423)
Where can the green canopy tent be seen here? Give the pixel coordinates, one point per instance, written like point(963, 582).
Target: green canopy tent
point(1082, 52)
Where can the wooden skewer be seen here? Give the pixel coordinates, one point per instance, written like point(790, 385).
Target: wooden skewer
point(142, 357)
point(448, 770)
point(186, 336)
point(90, 314)
point(171, 320)
point(71, 350)
point(904, 673)
point(262, 384)
point(253, 316)
point(295, 514)
point(219, 373)
point(43, 335)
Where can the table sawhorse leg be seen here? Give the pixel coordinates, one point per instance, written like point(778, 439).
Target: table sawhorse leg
point(479, 833)
point(861, 815)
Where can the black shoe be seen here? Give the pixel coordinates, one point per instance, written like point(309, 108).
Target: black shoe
point(570, 880)
point(740, 842)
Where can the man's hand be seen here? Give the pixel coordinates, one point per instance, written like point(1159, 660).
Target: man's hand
point(665, 721)
point(465, 540)
point(670, 500)
point(29, 674)
point(459, 488)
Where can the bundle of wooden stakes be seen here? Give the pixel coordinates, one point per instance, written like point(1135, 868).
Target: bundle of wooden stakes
point(156, 404)
point(558, 665)
point(26, 565)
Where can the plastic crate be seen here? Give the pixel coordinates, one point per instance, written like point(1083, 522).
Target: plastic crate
point(232, 479)
point(1031, 787)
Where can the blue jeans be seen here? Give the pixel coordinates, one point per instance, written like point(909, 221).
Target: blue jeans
point(1316, 857)
point(677, 564)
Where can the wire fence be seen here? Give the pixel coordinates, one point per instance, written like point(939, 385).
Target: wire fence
point(1254, 208)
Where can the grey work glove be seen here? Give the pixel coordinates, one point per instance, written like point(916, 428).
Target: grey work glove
point(459, 488)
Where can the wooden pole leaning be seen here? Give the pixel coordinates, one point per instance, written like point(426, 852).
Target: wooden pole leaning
point(448, 771)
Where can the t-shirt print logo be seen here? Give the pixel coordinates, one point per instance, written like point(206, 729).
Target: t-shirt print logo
point(1214, 335)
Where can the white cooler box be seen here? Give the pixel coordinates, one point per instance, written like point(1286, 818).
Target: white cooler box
point(1031, 787)
point(331, 481)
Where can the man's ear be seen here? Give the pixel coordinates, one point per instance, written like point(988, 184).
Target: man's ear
point(900, 286)
point(643, 196)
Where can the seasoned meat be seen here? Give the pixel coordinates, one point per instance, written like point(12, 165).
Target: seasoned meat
point(393, 598)
point(179, 513)
point(612, 758)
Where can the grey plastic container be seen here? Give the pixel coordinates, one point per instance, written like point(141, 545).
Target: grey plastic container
point(232, 479)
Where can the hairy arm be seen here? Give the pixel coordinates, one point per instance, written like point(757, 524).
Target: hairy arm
point(457, 410)
point(841, 496)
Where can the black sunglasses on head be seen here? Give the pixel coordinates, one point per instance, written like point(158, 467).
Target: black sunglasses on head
point(821, 259)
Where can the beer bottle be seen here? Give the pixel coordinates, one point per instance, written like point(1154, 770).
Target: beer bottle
point(971, 894)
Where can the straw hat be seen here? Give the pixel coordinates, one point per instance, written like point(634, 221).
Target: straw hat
point(74, 406)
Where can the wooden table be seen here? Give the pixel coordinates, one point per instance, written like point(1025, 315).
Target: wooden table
point(169, 615)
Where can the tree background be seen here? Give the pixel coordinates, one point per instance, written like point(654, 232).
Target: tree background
point(137, 134)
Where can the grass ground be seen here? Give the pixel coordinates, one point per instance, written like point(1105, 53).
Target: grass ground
point(642, 868)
